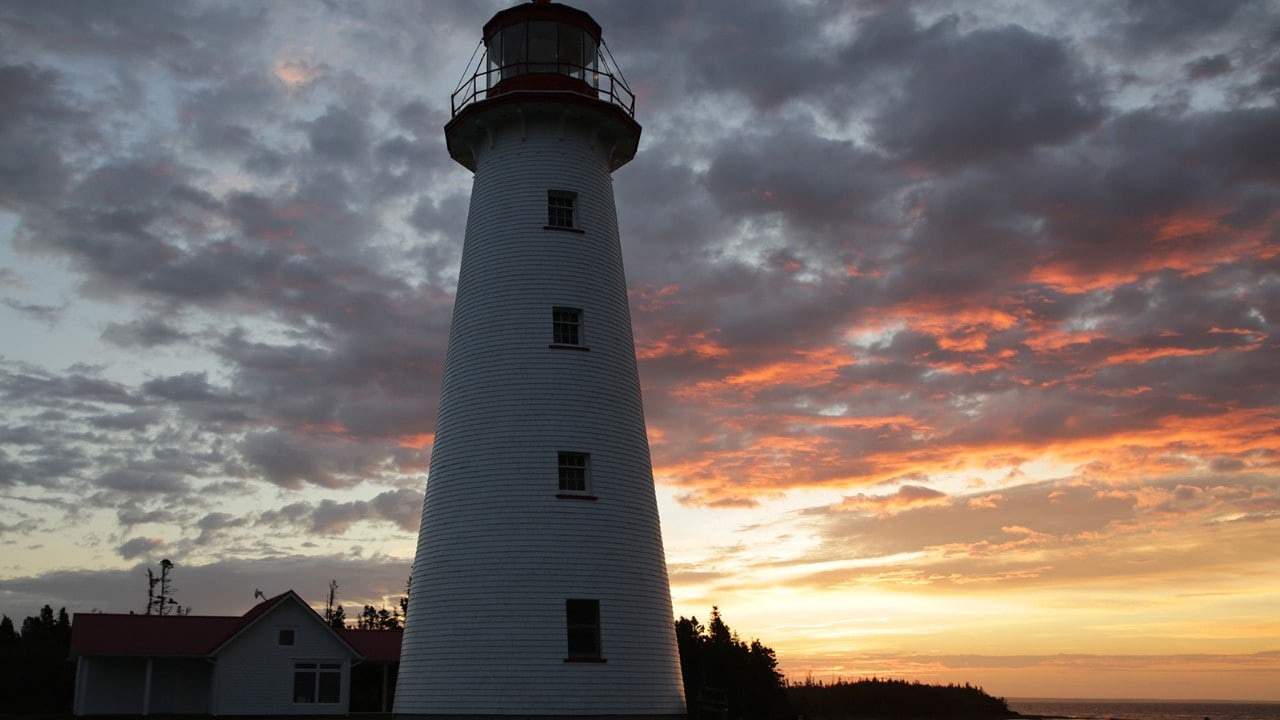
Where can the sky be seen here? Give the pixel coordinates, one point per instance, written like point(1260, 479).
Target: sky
point(957, 321)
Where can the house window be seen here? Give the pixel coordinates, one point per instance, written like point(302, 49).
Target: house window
point(285, 637)
point(573, 472)
point(317, 682)
point(582, 622)
point(560, 209)
point(566, 326)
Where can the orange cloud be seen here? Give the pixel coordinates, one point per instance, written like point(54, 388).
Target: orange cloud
point(677, 344)
point(906, 496)
point(793, 455)
point(416, 441)
point(803, 367)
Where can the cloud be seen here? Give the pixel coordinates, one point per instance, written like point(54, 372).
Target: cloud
point(904, 497)
point(400, 507)
point(139, 547)
point(1163, 23)
point(988, 93)
point(47, 314)
point(1208, 67)
point(290, 460)
point(37, 122)
point(147, 332)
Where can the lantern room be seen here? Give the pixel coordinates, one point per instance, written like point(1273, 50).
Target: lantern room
point(542, 53)
point(541, 38)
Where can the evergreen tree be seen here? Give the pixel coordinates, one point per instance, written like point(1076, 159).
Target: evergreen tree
point(368, 619)
point(723, 674)
point(338, 620)
point(62, 629)
point(404, 599)
point(35, 676)
point(8, 634)
point(42, 629)
point(383, 618)
point(386, 621)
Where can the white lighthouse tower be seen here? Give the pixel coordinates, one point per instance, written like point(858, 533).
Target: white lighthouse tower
point(540, 585)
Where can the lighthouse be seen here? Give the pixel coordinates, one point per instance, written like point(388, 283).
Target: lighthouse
point(539, 587)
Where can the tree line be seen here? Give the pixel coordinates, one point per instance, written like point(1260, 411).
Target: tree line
point(885, 698)
point(727, 678)
point(370, 618)
point(35, 676)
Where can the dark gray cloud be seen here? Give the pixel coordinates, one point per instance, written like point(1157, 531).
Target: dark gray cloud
point(989, 93)
point(139, 547)
point(1164, 23)
point(147, 332)
point(47, 314)
point(811, 182)
point(37, 122)
point(290, 460)
point(340, 135)
point(400, 507)
point(1209, 66)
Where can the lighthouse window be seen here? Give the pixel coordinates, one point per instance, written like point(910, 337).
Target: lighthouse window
point(513, 50)
point(566, 326)
point(560, 207)
point(582, 620)
point(573, 472)
point(542, 46)
point(571, 54)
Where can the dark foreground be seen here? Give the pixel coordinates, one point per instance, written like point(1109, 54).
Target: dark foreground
point(861, 700)
point(893, 699)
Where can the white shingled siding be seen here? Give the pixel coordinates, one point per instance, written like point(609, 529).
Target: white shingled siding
point(110, 685)
point(254, 673)
point(119, 686)
point(498, 552)
point(180, 686)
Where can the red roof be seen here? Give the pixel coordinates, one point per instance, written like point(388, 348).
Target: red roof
point(109, 634)
point(199, 635)
point(375, 644)
point(182, 635)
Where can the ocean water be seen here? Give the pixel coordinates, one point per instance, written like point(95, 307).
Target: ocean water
point(1146, 709)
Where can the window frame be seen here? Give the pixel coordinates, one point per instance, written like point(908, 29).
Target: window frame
point(568, 332)
point(325, 682)
point(563, 205)
point(582, 622)
point(569, 465)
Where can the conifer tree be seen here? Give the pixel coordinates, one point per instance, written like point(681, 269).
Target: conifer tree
point(8, 634)
point(724, 675)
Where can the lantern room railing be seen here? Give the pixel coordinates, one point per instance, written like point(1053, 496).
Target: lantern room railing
point(593, 82)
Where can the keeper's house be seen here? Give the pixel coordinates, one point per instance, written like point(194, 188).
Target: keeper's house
point(280, 658)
